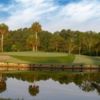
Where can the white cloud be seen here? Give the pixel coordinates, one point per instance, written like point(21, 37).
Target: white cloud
point(24, 12)
point(78, 16)
point(84, 15)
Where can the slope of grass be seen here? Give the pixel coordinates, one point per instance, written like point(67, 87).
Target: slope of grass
point(35, 54)
point(47, 59)
point(87, 59)
point(7, 58)
point(42, 57)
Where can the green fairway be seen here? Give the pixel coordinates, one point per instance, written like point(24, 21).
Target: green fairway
point(43, 57)
point(47, 58)
point(36, 54)
point(87, 59)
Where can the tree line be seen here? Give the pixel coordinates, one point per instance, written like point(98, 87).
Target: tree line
point(36, 39)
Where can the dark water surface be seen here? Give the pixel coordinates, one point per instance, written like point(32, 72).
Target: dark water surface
point(46, 85)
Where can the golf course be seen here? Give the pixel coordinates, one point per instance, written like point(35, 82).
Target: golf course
point(47, 58)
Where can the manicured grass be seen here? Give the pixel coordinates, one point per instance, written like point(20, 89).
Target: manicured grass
point(42, 57)
point(87, 60)
point(47, 59)
point(35, 54)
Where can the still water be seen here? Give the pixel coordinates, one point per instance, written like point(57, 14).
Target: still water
point(45, 85)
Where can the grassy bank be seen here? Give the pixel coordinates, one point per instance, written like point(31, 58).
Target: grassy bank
point(36, 54)
point(48, 58)
point(43, 57)
point(87, 59)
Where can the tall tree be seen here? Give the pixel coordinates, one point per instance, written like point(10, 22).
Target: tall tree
point(79, 41)
point(44, 40)
point(89, 41)
point(32, 42)
point(97, 44)
point(70, 41)
point(70, 45)
point(36, 28)
point(3, 30)
point(57, 43)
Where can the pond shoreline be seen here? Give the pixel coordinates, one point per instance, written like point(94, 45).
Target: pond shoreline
point(5, 66)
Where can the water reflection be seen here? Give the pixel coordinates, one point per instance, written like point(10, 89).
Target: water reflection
point(33, 90)
point(87, 82)
point(2, 83)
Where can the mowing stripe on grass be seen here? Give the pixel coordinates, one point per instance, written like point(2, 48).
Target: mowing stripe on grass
point(47, 60)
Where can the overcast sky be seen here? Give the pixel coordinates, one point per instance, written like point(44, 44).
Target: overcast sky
point(83, 15)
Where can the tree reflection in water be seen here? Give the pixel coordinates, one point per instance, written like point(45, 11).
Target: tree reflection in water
point(87, 86)
point(2, 84)
point(86, 81)
point(97, 87)
point(33, 90)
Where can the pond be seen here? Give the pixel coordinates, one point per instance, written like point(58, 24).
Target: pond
point(49, 85)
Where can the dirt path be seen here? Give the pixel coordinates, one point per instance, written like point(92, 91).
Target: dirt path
point(7, 58)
